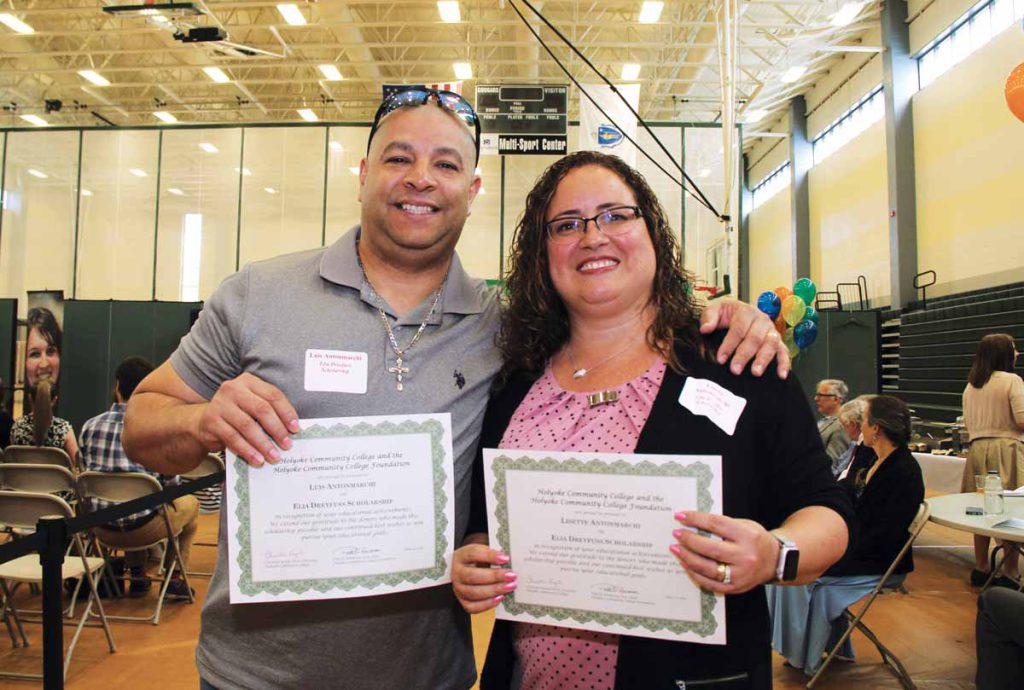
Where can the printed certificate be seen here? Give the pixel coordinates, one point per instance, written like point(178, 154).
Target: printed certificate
point(589, 537)
point(359, 506)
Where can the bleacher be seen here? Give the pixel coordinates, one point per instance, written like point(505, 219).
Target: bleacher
point(935, 343)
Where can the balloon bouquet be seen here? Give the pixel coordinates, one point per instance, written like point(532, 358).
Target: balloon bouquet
point(794, 317)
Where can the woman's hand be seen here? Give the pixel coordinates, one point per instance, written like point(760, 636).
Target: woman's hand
point(477, 585)
point(748, 550)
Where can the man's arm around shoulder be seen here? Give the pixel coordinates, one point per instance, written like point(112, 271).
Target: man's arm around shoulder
point(169, 426)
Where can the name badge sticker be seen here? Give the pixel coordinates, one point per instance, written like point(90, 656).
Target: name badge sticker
point(708, 399)
point(336, 371)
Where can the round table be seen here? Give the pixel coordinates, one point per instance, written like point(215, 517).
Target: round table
point(950, 511)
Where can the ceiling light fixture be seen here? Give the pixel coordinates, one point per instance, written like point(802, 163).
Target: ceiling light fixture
point(449, 11)
point(155, 9)
point(175, 191)
point(630, 71)
point(86, 192)
point(307, 115)
point(463, 70)
point(36, 173)
point(36, 120)
point(650, 12)
point(330, 72)
point(137, 172)
point(164, 116)
point(95, 77)
point(292, 14)
point(208, 147)
point(217, 74)
point(15, 24)
point(337, 146)
point(244, 171)
point(354, 170)
point(793, 73)
point(270, 190)
point(847, 13)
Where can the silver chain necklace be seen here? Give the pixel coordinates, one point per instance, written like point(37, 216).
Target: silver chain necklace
point(400, 369)
point(579, 372)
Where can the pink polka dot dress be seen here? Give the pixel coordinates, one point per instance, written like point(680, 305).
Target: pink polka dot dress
point(552, 418)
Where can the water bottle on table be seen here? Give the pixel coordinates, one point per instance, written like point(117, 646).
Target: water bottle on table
point(993, 494)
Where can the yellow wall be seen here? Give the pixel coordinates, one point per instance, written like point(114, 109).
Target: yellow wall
point(849, 216)
point(771, 247)
point(969, 153)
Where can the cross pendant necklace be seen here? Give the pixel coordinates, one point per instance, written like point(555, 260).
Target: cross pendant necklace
point(398, 370)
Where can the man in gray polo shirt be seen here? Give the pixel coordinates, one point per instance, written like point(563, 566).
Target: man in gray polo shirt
point(394, 289)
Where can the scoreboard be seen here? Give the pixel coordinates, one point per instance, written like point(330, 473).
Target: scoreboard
point(519, 119)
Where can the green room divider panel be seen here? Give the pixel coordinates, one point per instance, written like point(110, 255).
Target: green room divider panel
point(98, 334)
point(8, 337)
point(847, 348)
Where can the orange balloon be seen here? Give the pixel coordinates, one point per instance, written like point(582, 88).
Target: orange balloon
point(1015, 91)
point(781, 325)
point(783, 292)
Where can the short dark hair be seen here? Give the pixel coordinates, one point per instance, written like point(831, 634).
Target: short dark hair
point(995, 353)
point(130, 373)
point(44, 320)
point(892, 416)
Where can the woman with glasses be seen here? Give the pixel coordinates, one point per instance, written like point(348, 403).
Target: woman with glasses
point(599, 303)
point(993, 405)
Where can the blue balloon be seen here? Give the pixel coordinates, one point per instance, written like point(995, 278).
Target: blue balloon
point(769, 303)
point(805, 333)
point(811, 314)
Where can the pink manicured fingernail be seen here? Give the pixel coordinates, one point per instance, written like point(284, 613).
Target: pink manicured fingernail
point(674, 548)
point(274, 455)
point(680, 515)
point(510, 576)
point(503, 559)
point(758, 370)
point(497, 599)
point(677, 533)
point(286, 443)
point(509, 587)
point(256, 460)
point(294, 426)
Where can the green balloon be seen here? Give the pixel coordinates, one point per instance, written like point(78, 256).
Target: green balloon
point(805, 289)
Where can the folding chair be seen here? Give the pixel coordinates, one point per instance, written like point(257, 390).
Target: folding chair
point(38, 455)
point(210, 464)
point(118, 487)
point(856, 620)
point(23, 509)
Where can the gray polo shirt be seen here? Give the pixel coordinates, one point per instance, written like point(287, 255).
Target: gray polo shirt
point(262, 320)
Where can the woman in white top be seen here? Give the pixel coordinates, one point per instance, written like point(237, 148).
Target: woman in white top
point(994, 415)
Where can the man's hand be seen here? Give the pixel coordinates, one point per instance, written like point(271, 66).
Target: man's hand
point(751, 335)
point(248, 416)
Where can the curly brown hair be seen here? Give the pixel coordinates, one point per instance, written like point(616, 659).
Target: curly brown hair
point(535, 324)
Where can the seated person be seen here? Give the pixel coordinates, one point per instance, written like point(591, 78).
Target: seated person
point(829, 396)
point(851, 416)
point(807, 620)
point(39, 427)
point(102, 452)
point(1000, 639)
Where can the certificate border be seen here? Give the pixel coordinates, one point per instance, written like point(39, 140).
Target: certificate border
point(434, 429)
point(697, 470)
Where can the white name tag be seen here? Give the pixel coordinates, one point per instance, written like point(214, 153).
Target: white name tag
point(707, 398)
point(336, 371)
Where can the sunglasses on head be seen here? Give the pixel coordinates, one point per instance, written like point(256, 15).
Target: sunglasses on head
point(416, 96)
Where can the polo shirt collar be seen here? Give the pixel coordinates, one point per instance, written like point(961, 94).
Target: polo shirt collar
point(340, 265)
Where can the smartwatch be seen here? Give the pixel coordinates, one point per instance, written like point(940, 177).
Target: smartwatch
point(789, 559)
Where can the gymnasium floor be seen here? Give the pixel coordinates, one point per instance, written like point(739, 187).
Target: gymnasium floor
point(931, 629)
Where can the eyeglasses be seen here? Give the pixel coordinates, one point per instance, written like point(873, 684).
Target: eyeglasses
point(417, 96)
point(614, 221)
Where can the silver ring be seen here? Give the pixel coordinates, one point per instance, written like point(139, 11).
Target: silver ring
point(727, 575)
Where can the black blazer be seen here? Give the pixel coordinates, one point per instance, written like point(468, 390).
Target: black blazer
point(773, 465)
point(884, 511)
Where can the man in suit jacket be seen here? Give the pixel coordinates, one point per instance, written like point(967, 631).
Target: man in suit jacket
point(829, 396)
